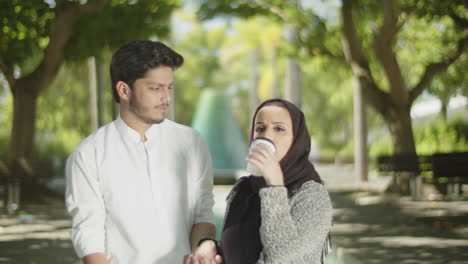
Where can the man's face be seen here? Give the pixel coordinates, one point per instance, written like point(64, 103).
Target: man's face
point(151, 95)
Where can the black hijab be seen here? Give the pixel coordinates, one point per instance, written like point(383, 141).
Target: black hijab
point(240, 240)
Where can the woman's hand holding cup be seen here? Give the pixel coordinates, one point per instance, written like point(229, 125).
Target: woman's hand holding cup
point(262, 156)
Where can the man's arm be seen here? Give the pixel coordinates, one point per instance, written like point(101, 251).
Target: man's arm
point(86, 206)
point(203, 226)
point(203, 222)
point(207, 251)
point(199, 231)
point(95, 258)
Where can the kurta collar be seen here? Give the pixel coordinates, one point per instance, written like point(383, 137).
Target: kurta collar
point(131, 134)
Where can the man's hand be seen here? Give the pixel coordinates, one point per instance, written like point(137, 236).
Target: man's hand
point(95, 258)
point(204, 254)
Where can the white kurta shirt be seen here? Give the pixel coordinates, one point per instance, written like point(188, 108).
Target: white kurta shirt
point(137, 201)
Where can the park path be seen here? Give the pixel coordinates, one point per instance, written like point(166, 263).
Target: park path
point(369, 226)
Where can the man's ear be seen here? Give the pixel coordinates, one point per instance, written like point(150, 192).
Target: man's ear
point(123, 90)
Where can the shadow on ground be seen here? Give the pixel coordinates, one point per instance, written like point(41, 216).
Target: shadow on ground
point(368, 229)
point(39, 234)
point(372, 230)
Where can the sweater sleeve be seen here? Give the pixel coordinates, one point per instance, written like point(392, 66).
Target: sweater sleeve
point(294, 230)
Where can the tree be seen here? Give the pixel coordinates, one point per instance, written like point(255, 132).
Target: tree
point(201, 49)
point(59, 131)
point(370, 30)
point(39, 35)
point(394, 103)
point(451, 83)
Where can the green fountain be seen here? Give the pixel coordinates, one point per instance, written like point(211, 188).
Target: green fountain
point(215, 121)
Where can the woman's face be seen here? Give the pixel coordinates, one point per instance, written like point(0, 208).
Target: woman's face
point(274, 122)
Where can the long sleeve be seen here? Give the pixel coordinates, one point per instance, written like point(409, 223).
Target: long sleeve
point(294, 230)
point(85, 204)
point(203, 170)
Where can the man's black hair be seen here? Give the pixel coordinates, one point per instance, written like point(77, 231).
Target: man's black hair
point(131, 61)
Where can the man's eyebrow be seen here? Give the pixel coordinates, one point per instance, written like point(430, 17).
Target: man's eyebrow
point(160, 84)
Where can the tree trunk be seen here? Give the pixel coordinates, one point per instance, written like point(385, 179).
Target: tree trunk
point(444, 110)
point(361, 166)
point(24, 116)
point(401, 130)
point(274, 73)
point(100, 90)
point(253, 91)
point(394, 105)
point(22, 142)
point(93, 101)
point(292, 87)
point(26, 89)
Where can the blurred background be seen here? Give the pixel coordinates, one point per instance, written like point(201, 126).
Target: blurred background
point(377, 80)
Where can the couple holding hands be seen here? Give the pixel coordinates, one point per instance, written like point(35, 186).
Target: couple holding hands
point(139, 189)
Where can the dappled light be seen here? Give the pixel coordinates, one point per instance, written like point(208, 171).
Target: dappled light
point(382, 86)
point(40, 233)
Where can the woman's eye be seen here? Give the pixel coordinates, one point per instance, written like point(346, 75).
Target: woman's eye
point(259, 129)
point(279, 129)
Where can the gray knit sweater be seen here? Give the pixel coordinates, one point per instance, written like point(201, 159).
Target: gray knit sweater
point(294, 229)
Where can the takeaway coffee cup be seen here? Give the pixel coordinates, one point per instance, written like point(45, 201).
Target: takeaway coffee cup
point(252, 169)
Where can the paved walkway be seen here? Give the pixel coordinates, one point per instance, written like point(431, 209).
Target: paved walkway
point(369, 227)
point(372, 227)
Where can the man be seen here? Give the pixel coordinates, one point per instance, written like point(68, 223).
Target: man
point(139, 189)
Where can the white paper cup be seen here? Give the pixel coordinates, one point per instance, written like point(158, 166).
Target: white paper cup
point(252, 169)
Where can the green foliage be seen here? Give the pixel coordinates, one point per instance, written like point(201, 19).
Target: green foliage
point(122, 21)
point(201, 50)
point(219, 58)
point(442, 137)
point(328, 98)
point(63, 116)
point(452, 82)
point(6, 111)
point(382, 146)
point(434, 137)
point(435, 8)
point(59, 144)
point(24, 27)
point(245, 9)
point(428, 32)
point(315, 33)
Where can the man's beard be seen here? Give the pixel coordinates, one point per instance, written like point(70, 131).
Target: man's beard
point(138, 110)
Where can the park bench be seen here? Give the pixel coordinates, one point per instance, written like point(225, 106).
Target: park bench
point(406, 163)
point(453, 167)
point(14, 173)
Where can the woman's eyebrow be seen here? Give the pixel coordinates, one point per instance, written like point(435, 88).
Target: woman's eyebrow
point(274, 123)
point(279, 123)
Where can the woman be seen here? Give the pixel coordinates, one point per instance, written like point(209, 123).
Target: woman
point(284, 216)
